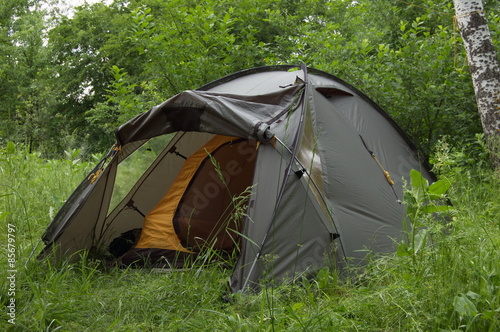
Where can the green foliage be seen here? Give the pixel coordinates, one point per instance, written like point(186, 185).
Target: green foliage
point(67, 82)
point(32, 189)
point(25, 95)
point(425, 209)
point(70, 81)
point(411, 67)
point(443, 276)
point(121, 105)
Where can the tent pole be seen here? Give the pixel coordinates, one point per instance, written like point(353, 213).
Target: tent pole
point(288, 170)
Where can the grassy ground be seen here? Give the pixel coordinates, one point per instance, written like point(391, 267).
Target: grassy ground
point(446, 277)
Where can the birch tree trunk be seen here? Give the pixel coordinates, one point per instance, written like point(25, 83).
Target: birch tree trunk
point(484, 68)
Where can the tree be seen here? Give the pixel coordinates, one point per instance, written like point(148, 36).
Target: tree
point(11, 13)
point(403, 58)
point(106, 62)
point(25, 94)
point(484, 68)
point(83, 49)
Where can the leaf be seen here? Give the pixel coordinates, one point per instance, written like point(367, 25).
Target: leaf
point(436, 208)
point(294, 310)
point(439, 188)
point(403, 250)
point(11, 148)
point(306, 283)
point(489, 314)
point(297, 306)
point(463, 306)
point(472, 295)
point(417, 180)
point(420, 239)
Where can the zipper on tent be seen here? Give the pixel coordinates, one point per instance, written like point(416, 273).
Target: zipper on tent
point(131, 205)
point(174, 151)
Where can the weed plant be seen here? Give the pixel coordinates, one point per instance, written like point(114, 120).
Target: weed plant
point(443, 276)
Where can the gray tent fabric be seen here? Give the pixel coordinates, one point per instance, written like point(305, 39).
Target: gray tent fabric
point(326, 187)
point(225, 114)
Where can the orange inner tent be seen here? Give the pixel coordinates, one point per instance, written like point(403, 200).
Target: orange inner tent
point(198, 209)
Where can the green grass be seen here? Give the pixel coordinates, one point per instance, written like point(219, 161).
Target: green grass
point(452, 283)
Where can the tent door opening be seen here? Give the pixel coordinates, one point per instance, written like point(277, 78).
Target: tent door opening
point(205, 206)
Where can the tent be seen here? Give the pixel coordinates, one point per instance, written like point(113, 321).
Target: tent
point(288, 168)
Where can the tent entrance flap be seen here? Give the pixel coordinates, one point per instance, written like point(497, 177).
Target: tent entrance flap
point(205, 205)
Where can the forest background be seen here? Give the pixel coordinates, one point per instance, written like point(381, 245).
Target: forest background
point(69, 78)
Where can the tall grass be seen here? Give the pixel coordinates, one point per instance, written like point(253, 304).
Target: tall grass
point(444, 277)
point(33, 189)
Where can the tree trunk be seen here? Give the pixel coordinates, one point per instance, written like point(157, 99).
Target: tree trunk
point(484, 68)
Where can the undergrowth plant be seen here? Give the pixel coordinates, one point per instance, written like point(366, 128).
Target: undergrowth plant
point(32, 189)
point(444, 275)
point(427, 211)
point(229, 224)
point(474, 241)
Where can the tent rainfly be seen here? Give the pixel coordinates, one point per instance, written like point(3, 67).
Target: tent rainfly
point(285, 168)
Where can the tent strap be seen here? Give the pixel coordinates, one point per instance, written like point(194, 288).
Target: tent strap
point(386, 173)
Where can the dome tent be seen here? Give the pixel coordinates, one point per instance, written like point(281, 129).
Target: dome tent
point(320, 166)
